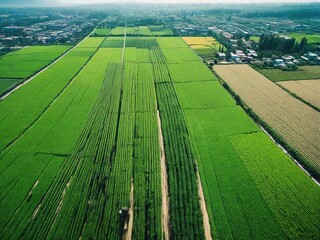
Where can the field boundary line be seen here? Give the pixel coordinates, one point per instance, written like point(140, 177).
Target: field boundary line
point(297, 96)
point(165, 217)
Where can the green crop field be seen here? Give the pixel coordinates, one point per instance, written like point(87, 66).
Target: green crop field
point(142, 31)
point(131, 31)
point(255, 38)
point(160, 31)
point(86, 137)
point(240, 193)
point(40, 92)
point(7, 83)
point(27, 61)
point(302, 73)
point(312, 38)
point(99, 32)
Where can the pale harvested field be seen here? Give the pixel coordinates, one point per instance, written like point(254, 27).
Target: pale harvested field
point(295, 121)
point(309, 90)
point(201, 42)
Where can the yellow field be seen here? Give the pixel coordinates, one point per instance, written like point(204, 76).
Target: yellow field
point(201, 42)
point(309, 90)
point(296, 122)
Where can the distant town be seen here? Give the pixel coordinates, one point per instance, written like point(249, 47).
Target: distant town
point(238, 31)
point(44, 27)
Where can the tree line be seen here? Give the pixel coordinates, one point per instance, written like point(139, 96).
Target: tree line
point(277, 43)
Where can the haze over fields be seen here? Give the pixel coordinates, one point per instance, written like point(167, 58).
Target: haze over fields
point(185, 1)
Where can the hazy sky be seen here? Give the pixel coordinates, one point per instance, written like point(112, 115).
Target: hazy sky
point(183, 1)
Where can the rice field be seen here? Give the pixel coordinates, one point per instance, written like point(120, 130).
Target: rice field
point(7, 83)
point(25, 62)
point(85, 137)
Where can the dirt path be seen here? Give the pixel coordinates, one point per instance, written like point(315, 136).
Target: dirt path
point(124, 43)
point(164, 185)
point(206, 222)
point(128, 233)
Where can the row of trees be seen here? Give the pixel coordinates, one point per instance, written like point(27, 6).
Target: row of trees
point(274, 42)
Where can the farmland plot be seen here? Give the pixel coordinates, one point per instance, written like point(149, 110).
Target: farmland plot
point(302, 73)
point(101, 32)
point(131, 31)
point(296, 122)
point(160, 31)
point(96, 138)
point(180, 160)
point(309, 90)
point(90, 179)
point(205, 47)
point(45, 146)
point(40, 93)
point(240, 193)
point(7, 83)
point(27, 61)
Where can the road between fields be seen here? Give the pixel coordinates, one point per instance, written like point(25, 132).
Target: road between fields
point(206, 222)
point(128, 233)
point(164, 184)
point(124, 42)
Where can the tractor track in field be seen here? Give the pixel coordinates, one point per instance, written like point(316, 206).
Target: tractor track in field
point(128, 233)
point(164, 185)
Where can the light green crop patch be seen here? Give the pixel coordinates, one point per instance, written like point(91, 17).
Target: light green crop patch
point(27, 61)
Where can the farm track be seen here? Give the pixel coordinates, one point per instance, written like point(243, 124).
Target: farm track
point(164, 185)
point(180, 160)
point(206, 221)
point(293, 120)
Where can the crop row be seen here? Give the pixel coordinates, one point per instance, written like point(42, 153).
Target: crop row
point(35, 159)
point(28, 103)
point(252, 189)
point(139, 98)
point(88, 189)
point(185, 215)
point(25, 62)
